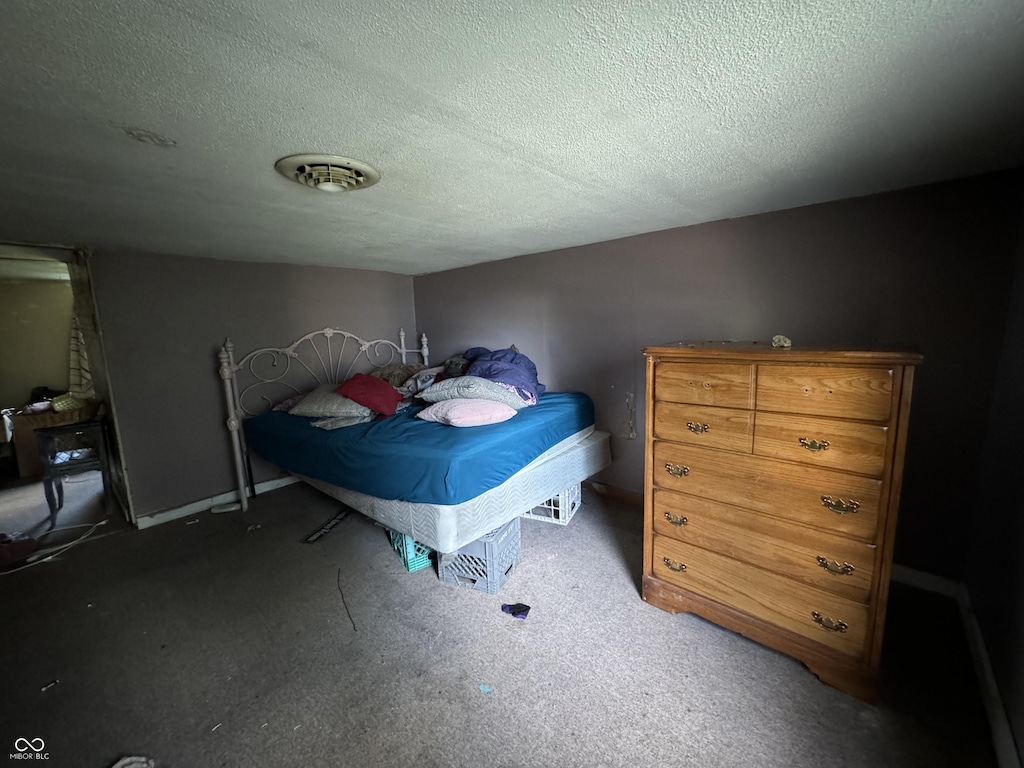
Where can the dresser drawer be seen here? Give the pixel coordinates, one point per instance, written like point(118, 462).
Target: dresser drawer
point(824, 498)
point(827, 561)
point(832, 443)
point(815, 614)
point(727, 428)
point(844, 391)
point(726, 385)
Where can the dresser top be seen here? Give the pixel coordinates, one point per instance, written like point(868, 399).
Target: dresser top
point(763, 351)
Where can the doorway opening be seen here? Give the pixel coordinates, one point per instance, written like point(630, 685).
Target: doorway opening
point(53, 381)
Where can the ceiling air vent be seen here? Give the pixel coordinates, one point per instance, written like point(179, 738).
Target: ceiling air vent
point(328, 173)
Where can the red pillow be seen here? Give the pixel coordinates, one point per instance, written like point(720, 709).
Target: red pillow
point(376, 394)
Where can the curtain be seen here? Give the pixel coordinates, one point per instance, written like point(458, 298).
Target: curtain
point(81, 376)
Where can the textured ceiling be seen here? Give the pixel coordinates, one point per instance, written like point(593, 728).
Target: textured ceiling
point(498, 128)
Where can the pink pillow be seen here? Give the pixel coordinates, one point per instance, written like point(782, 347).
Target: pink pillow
point(376, 394)
point(464, 412)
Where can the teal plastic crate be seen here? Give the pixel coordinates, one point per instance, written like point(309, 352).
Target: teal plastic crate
point(413, 555)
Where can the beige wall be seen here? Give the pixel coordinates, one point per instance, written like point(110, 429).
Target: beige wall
point(929, 267)
point(35, 326)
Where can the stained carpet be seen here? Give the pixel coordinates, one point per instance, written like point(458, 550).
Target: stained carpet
point(221, 643)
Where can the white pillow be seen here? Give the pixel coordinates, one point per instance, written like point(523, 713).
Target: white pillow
point(324, 403)
point(467, 412)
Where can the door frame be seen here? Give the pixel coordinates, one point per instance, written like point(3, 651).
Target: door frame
point(79, 262)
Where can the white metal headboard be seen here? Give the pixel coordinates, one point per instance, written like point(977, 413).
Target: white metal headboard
point(272, 374)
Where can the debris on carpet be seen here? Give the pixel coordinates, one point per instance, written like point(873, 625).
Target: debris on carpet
point(134, 761)
point(518, 610)
point(324, 529)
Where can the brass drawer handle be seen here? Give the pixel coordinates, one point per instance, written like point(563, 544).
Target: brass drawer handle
point(676, 521)
point(832, 625)
point(697, 429)
point(676, 470)
point(839, 506)
point(834, 567)
point(677, 567)
point(813, 445)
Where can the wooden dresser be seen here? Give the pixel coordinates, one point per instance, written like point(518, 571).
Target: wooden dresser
point(771, 491)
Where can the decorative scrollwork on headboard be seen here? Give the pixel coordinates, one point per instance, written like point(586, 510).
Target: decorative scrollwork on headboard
point(266, 376)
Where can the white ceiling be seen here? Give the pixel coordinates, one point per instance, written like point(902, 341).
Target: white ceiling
point(499, 128)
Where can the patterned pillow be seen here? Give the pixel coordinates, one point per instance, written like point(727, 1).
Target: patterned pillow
point(396, 374)
point(455, 366)
point(466, 413)
point(473, 388)
point(420, 380)
point(287, 405)
point(324, 403)
point(337, 422)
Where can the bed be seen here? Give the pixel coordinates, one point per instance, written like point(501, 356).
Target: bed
point(442, 485)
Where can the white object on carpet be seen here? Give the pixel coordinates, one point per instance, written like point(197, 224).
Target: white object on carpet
point(134, 761)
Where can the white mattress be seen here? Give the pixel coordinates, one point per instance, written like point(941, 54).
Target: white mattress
point(448, 527)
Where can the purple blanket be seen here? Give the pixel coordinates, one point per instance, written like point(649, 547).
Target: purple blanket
point(507, 366)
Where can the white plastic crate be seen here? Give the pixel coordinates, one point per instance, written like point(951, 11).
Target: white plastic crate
point(560, 509)
point(484, 564)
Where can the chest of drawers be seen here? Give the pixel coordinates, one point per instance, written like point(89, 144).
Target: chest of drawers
point(771, 491)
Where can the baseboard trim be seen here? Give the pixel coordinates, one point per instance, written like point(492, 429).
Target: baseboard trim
point(614, 492)
point(158, 518)
point(1007, 754)
point(927, 581)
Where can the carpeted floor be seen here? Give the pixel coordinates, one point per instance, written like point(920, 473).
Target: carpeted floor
point(23, 509)
point(217, 643)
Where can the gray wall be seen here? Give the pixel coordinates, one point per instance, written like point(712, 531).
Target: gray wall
point(928, 267)
point(995, 578)
point(35, 331)
point(163, 320)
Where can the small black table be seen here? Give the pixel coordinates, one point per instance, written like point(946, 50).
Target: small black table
point(70, 449)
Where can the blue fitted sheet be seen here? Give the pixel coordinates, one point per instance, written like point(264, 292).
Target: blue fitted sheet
point(402, 457)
